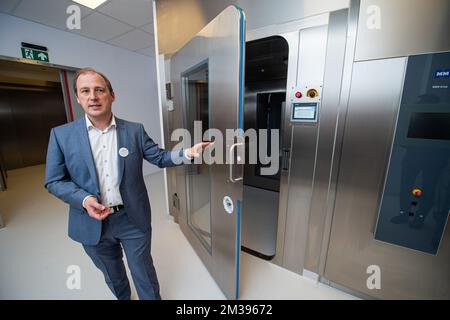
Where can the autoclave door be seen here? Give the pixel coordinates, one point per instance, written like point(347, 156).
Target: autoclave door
point(207, 78)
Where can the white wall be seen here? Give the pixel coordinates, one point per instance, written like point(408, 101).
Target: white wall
point(132, 75)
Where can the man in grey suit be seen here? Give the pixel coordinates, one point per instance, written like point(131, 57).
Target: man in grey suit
point(95, 165)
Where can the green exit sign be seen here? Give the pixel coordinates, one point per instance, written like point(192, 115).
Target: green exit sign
point(33, 54)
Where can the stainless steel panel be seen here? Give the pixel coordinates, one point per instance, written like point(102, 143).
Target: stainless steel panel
point(406, 27)
point(284, 29)
point(310, 68)
point(345, 87)
point(336, 45)
point(300, 189)
point(168, 172)
point(372, 112)
point(219, 42)
point(170, 117)
point(173, 192)
point(293, 39)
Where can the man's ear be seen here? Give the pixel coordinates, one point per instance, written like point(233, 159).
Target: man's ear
point(113, 95)
point(78, 100)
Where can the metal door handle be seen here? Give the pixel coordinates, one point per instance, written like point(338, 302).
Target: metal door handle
point(232, 147)
point(285, 159)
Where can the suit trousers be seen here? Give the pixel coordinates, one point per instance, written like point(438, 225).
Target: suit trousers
point(119, 232)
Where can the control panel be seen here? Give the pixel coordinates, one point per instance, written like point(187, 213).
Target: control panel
point(305, 103)
point(416, 200)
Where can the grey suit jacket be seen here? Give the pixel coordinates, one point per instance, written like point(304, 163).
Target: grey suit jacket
point(70, 174)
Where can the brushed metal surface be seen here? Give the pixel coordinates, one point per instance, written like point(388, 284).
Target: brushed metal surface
point(219, 42)
point(398, 28)
point(310, 70)
point(290, 31)
point(345, 86)
point(334, 67)
point(372, 112)
point(292, 39)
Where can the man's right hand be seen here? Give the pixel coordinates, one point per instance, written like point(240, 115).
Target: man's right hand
point(95, 209)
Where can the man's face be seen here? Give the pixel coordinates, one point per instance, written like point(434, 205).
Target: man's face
point(94, 95)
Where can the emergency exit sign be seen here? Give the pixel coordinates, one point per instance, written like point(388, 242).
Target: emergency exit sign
point(34, 54)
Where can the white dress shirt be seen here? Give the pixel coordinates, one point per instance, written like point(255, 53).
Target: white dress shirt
point(104, 151)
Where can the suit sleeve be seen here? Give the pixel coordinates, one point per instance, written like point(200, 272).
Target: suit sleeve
point(57, 178)
point(159, 157)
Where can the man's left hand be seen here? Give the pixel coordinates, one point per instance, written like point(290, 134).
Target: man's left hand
point(197, 149)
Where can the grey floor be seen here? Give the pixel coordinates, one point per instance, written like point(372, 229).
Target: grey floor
point(36, 253)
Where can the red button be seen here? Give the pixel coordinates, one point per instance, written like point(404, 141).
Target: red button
point(417, 192)
point(298, 94)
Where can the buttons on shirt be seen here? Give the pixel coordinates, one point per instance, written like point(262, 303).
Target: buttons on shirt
point(104, 150)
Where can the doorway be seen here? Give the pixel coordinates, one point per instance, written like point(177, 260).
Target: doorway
point(31, 103)
point(34, 98)
point(266, 66)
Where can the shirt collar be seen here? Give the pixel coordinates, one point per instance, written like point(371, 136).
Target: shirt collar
point(89, 124)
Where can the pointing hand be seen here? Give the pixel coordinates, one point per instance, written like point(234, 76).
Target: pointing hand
point(197, 149)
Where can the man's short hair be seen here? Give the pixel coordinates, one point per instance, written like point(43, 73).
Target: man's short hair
point(91, 70)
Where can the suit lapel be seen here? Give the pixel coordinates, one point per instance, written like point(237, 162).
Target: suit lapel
point(86, 152)
point(121, 140)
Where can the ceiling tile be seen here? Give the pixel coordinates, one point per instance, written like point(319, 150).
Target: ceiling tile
point(135, 12)
point(134, 40)
point(49, 12)
point(8, 5)
point(100, 27)
point(148, 28)
point(150, 51)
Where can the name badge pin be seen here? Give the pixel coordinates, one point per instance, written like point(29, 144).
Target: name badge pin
point(123, 152)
